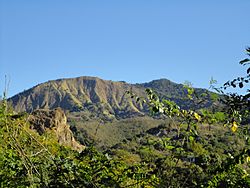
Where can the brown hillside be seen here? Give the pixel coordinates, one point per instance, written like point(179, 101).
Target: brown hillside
point(94, 97)
point(79, 94)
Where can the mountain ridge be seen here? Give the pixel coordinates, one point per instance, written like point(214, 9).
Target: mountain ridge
point(97, 96)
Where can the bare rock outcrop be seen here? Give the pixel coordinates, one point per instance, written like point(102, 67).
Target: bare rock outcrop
point(42, 120)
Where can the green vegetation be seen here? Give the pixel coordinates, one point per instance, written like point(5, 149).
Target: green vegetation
point(182, 147)
point(30, 160)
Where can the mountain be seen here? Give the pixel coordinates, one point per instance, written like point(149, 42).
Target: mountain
point(94, 97)
point(99, 111)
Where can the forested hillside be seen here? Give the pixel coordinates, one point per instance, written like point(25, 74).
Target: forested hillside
point(177, 146)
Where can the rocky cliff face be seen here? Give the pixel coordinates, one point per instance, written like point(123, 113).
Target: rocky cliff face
point(55, 120)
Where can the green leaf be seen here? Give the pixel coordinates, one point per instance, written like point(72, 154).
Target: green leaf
point(197, 116)
point(170, 147)
point(191, 138)
point(242, 62)
point(241, 85)
point(234, 126)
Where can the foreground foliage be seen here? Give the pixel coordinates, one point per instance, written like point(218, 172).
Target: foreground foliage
point(205, 148)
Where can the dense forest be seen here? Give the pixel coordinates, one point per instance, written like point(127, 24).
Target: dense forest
point(189, 147)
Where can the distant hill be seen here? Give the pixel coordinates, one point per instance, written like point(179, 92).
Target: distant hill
point(94, 97)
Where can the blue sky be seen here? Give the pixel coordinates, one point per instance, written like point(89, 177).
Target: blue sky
point(133, 40)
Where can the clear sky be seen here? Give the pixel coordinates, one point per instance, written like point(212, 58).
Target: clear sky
point(122, 40)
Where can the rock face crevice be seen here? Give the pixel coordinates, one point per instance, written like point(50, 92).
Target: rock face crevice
point(43, 120)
